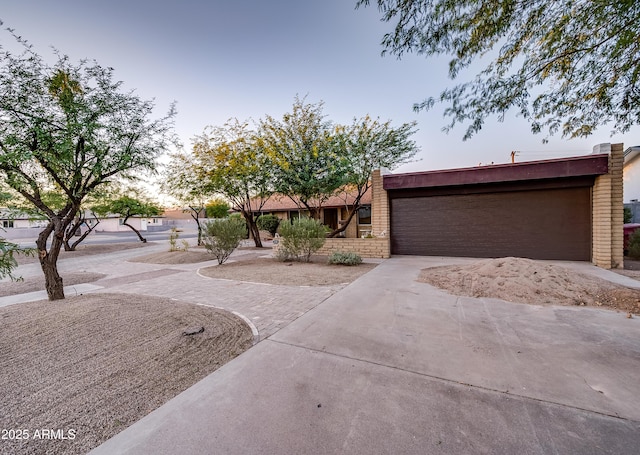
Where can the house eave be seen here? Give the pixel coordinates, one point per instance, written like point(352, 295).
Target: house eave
point(589, 165)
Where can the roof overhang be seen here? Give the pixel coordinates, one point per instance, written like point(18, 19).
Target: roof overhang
point(588, 165)
point(631, 154)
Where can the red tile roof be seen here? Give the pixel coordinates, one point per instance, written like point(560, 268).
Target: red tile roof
point(280, 203)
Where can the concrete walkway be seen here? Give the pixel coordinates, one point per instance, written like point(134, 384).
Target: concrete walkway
point(390, 365)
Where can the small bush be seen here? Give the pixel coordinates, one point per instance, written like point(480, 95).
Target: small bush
point(221, 238)
point(268, 223)
point(173, 240)
point(348, 258)
point(300, 239)
point(634, 244)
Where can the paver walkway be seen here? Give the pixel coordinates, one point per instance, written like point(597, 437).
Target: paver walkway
point(268, 307)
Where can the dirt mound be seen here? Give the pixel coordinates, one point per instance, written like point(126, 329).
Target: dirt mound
point(526, 281)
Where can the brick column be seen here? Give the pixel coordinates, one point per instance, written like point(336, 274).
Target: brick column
point(607, 211)
point(380, 224)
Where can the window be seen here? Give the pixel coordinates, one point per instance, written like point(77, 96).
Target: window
point(7, 223)
point(364, 214)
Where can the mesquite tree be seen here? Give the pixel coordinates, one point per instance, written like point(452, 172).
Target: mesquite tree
point(232, 162)
point(69, 127)
point(566, 66)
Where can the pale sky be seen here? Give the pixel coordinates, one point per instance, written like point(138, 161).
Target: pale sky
point(247, 58)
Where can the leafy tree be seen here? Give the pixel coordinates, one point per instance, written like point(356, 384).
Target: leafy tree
point(183, 183)
point(127, 207)
point(70, 128)
point(233, 164)
point(217, 208)
point(628, 215)
point(367, 145)
point(566, 66)
point(305, 163)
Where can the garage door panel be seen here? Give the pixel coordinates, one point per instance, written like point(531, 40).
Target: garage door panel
point(545, 224)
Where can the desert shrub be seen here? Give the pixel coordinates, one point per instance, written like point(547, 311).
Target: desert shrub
point(268, 223)
point(222, 237)
point(348, 258)
point(173, 239)
point(300, 239)
point(634, 244)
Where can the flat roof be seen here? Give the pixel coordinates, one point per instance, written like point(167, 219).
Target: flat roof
point(595, 164)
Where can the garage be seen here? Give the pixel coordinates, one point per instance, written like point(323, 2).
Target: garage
point(537, 210)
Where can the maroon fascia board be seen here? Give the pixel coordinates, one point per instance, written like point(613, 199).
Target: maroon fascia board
point(512, 172)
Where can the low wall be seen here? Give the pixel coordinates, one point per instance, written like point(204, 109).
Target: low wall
point(367, 248)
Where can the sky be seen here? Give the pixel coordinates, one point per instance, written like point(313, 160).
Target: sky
point(219, 59)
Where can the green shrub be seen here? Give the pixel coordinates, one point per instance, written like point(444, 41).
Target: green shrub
point(300, 239)
point(634, 244)
point(173, 240)
point(268, 223)
point(221, 237)
point(348, 258)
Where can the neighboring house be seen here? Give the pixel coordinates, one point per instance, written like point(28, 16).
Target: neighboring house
point(631, 175)
point(115, 223)
point(14, 219)
point(333, 212)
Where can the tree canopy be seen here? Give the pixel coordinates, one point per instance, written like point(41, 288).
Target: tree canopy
point(232, 163)
point(566, 66)
point(305, 161)
point(367, 145)
point(70, 128)
point(128, 206)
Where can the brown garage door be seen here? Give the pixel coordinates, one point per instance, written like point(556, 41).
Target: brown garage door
point(537, 224)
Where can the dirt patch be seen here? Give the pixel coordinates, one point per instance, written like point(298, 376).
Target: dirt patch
point(85, 250)
point(37, 283)
point(94, 364)
point(271, 271)
point(527, 281)
point(174, 257)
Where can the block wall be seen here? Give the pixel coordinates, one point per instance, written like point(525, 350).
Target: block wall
point(608, 212)
point(367, 248)
point(380, 220)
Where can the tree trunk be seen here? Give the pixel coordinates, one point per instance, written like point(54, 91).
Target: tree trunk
point(344, 226)
point(195, 214)
point(49, 259)
point(124, 223)
point(253, 228)
point(71, 231)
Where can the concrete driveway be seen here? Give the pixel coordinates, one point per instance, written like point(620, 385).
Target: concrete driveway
point(390, 365)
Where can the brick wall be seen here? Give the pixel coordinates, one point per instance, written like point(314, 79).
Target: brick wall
point(608, 216)
point(367, 248)
point(380, 225)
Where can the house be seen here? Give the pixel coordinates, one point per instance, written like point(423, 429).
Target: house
point(115, 223)
point(18, 220)
point(334, 212)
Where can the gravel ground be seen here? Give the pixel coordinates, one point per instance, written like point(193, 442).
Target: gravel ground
point(271, 271)
point(37, 283)
point(87, 367)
